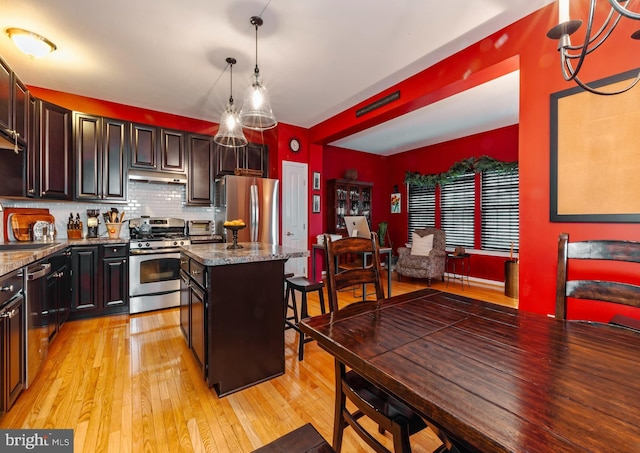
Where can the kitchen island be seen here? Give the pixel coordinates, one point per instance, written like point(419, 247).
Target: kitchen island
point(232, 311)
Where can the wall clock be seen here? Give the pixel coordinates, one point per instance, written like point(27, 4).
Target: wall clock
point(294, 145)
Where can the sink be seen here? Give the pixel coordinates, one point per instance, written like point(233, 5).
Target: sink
point(19, 246)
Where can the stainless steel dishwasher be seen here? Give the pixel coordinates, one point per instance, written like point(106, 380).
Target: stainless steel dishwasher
point(37, 318)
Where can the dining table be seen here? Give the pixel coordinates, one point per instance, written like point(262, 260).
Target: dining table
point(493, 378)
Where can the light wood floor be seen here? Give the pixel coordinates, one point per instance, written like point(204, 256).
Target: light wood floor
point(129, 384)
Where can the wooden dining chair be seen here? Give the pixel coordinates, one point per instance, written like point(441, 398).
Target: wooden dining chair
point(385, 410)
point(604, 290)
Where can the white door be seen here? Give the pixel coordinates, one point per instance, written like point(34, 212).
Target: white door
point(295, 213)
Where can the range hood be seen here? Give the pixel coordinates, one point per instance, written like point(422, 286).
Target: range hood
point(157, 177)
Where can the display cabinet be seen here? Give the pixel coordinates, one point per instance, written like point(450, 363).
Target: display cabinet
point(344, 198)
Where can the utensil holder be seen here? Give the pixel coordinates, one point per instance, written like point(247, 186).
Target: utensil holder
point(114, 230)
point(74, 234)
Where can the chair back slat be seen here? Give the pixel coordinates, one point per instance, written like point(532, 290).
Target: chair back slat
point(340, 278)
point(600, 290)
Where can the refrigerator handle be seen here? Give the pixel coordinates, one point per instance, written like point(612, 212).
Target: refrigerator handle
point(255, 213)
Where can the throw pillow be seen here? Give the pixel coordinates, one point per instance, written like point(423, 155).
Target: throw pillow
point(421, 245)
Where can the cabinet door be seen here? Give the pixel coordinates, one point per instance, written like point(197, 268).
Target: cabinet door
point(226, 160)
point(14, 362)
point(55, 147)
point(200, 182)
point(33, 149)
point(114, 147)
point(88, 155)
point(172, 151)
point(64, 289)
point(6, 101)
point(85, 278)
point(185, 308)
point(254, 157)
point(115, 278)
point(21, 109)
point(144, 142)
point(198, 316)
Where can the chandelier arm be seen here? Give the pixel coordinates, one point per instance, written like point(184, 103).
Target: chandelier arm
point(607, 93)
point(565, 41)
point(595, 37)
point(616, 4)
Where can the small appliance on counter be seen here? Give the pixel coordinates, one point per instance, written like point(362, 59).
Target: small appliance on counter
point(93, 221)
point(201, 232)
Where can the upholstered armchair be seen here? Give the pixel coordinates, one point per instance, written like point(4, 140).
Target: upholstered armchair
point(426, 257)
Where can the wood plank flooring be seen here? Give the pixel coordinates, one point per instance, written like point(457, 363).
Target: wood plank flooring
point(129, 384)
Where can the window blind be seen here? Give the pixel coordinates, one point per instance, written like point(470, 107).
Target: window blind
point(457, 205)
point(422, 208)
point(500, 210)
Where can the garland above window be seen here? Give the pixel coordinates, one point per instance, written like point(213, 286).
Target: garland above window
point(472, 164)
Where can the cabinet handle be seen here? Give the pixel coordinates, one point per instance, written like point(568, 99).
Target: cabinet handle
point(8, 314)
point(6, 288)
point(195, 272)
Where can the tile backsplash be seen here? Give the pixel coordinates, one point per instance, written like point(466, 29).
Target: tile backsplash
point(155, 200)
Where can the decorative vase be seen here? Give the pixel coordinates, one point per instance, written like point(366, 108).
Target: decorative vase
point(382, 232)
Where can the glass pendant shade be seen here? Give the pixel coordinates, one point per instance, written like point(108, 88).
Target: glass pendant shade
point(230, 131)
point(256, 113)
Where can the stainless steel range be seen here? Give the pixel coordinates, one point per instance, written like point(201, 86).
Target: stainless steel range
point(154, 265)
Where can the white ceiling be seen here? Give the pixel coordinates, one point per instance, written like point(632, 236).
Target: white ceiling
point(317, 57)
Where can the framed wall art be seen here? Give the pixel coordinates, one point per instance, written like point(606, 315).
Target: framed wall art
point(395, 203)
point(594, 167)
point(316, 180)
point(316, 204)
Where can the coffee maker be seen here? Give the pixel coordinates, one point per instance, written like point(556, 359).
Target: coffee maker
point(93, 221)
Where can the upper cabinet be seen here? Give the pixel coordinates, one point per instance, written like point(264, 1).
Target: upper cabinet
point(157, 149)
point(200, 182)
point(13, 105)
point(55, 151)
point(100, 146)
point(250, 157)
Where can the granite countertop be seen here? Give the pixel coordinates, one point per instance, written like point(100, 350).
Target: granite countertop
point(251, 252)
point(12, 260)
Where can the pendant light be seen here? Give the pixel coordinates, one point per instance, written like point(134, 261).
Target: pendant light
point(230, 131)
point(256, 111)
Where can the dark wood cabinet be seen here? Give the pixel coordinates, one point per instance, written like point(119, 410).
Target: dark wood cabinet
point(58, 291)
point(347, 198)
point(200, 162)
point(115, 276)
point(6, 96)
point(55, 156)
point(100, 146)
point(193, 308)
point(100, 282)
point(144, 147)
point(12, 328)
point(85, 265)
point(21, 109)
point(33, 149)
point(250, 157)
point(172, 151)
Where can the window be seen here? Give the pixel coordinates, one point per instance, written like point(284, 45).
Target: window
point(500, 210)
point(457, 205)
point(422, 208)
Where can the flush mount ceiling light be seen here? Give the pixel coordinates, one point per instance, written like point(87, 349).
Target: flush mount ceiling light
point(32, 44)
point(568, 52)
point(230, 131)
point(256, 111)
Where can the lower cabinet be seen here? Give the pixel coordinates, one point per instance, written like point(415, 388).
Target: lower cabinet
point(58, 292)
point(193, 309)
point(100, 280)
point(12, 339)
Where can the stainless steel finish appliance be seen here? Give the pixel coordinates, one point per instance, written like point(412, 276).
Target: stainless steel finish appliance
point(202, 232)
point(37, 318)
point(154, 265)
point(254, 200)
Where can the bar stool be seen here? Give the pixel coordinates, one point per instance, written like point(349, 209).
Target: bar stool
point(305, 286)
point(289, 321)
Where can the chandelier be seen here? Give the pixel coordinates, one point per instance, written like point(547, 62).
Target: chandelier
point(230, 131)
point(256, 111)
point(570, 54)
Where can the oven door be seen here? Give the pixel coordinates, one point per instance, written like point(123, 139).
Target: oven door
point(154, 271)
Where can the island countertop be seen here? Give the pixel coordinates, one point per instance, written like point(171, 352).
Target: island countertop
point(251, 252)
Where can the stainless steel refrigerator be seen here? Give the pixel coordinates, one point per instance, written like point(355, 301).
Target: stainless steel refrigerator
point(254, 200)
